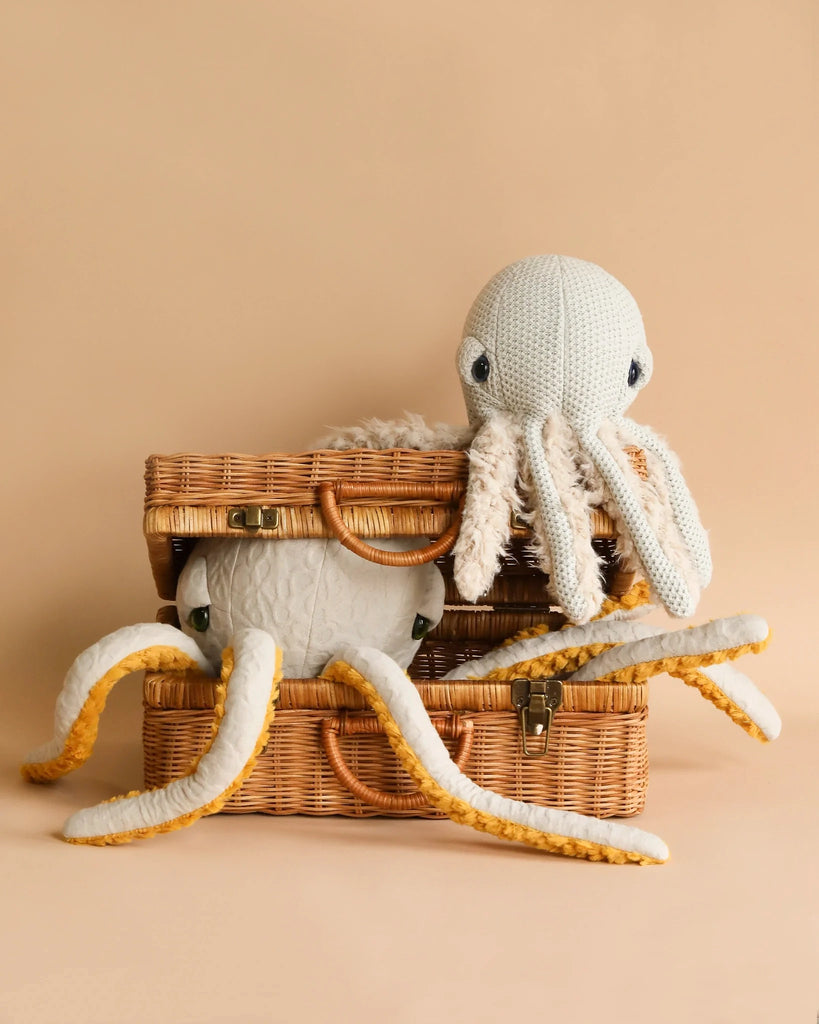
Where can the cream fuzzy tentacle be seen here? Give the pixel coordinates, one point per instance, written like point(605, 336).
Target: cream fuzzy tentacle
point(652, 494)
point(675, 588)
point(396, 702)
point(491, 498)
point(92, 676)
point(561, 517)
point(252, 673)
point(411, 432)
point(685, 512)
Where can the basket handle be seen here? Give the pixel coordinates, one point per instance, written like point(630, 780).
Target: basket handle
point(332, 492)
point(454, 728)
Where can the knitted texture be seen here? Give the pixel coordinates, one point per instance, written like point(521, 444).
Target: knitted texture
point(556, 345)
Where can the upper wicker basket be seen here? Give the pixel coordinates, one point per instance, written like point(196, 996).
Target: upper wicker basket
point(347, 494)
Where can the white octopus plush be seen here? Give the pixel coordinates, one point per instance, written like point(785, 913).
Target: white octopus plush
point(553, 354)
point(554, 351)
point(238, 597)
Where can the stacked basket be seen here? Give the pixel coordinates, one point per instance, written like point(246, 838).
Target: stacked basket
point(326, 754)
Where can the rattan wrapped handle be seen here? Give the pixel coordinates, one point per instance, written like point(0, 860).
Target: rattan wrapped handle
point(331, 493)
point(455, 728)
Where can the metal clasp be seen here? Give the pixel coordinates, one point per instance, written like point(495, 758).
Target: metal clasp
point(536, 701)
point(253, 517)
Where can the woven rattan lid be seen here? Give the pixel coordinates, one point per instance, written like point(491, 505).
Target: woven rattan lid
point(398, 492)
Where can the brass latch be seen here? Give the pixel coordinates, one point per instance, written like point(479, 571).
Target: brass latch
point(253, 517)
point(536, 701)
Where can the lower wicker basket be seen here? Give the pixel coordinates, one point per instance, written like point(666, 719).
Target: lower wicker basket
point(326, 754)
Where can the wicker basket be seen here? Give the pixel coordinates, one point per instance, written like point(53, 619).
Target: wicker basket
point(325, 754)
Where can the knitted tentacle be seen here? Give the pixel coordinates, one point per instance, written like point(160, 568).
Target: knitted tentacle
point(664, 565)
point(91, 678)
point(490, 498)
point(529, 655)
point(685, 511)
point(561, 520)
point(250, 679)
point(424, 757)
point(697, 656)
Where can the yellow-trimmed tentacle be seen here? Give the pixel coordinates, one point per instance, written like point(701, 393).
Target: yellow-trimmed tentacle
point(216, 804)
point(79, 743)
point(458, 809)
point(689, 668)
point(556, 663)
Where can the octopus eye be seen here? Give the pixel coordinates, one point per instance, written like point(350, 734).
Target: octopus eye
point(199, 619)
point(634, 373)
point(420, 627)
point(480, 369)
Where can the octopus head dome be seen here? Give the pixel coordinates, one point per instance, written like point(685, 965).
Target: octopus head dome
point(553, 333)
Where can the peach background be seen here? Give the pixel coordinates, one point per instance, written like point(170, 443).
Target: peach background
point(227, 225)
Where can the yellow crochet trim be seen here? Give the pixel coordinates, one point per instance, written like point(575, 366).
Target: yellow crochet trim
point(634, 598)
point(527, 634)
point(685, 667)
point(80, 741)
point(215, 805)
point(709, 689)
point(639, 594)
point(459, 810)
point(555, 663)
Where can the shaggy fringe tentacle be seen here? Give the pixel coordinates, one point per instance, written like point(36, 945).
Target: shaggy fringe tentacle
point(491, 499)
point(652, 494)
point(671, 585)
point(684, 509)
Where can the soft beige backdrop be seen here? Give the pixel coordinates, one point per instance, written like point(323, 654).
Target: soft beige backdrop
point(226, 225)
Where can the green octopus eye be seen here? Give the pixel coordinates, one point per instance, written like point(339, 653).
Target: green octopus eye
point(199, 619)
point(420, 627)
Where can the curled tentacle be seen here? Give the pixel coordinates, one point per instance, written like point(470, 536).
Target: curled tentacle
point(698, 656)
point(561, 520)
point(91, 678)
point(423, 755)
point(665, 564)
point(685, 513)
point(250, 672)
point(491, 497)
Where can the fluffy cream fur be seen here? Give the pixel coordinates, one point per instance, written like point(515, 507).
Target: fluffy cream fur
point(411, 432)
point(492, 498)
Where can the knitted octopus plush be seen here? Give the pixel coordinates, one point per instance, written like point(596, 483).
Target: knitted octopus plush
point(553, 354)
point(253, 609)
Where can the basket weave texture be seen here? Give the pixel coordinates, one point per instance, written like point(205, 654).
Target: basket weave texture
point(597, 761)
point(325, 754)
